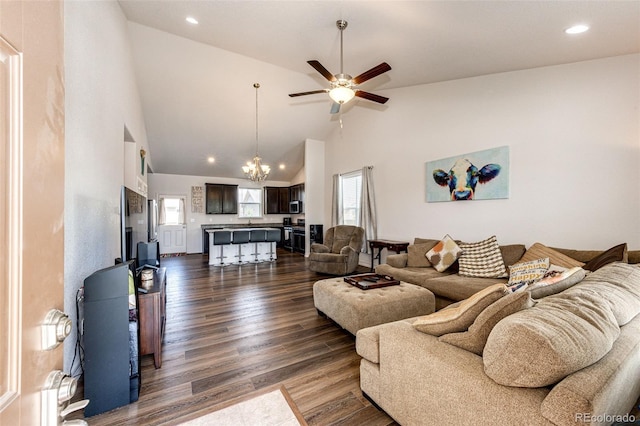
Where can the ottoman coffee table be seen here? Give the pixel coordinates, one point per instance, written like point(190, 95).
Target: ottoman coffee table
point(354, 309)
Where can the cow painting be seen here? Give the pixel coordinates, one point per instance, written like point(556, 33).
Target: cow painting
point(463, 178)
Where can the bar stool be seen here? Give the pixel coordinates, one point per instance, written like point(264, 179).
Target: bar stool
point(258, 237)
point(273, 237)
point(221, 239)
point(241, 239)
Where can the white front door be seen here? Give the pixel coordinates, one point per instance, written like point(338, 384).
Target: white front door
point(172, 239)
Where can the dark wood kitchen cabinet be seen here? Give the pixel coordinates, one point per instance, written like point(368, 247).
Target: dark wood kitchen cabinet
point(297, 194)
point(222, 199)
point(276, 200)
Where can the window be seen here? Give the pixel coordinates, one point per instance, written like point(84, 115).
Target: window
point(351, 190)
point(171, 211)
point(250, 202)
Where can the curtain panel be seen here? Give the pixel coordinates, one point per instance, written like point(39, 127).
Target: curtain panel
point(368, 214)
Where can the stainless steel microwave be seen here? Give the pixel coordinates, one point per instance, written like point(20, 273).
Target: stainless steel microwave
point(295, 207)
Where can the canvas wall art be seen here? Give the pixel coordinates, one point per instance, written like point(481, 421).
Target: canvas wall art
point(482, 175)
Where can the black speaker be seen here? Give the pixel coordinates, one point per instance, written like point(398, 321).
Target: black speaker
point(315, 234)
point(107, 366)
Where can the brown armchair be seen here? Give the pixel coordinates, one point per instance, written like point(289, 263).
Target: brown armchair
point(340, 252)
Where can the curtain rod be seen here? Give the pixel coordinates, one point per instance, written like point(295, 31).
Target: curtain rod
point(353, 171)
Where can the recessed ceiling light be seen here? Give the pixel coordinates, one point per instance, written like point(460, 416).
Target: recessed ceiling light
point(281, 166)
point(192, 20)
point(211, 160)
point(577, 29)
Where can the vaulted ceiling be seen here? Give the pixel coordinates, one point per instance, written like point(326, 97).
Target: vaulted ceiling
point(196, 81)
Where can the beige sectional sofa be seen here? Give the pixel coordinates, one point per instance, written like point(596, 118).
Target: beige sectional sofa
point(449, 286)
point(569, 358)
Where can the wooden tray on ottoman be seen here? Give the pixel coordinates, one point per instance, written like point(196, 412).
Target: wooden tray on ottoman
point(369, 281)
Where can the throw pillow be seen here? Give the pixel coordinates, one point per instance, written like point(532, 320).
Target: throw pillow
point(555, 281)
point(512, 253)
point(444, 254)
point(459, 318)
point(539, 251)
point(475, 338)
point(417, 255)
point(614, 254)
point(527, 272)
point(482, 259)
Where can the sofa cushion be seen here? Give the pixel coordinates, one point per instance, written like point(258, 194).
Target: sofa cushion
point(614, 254)
point(541, 345)
point(540, 251)
point(418, 240)
point(588, 255)
point(456, 287)
point(444, 254)
point(475, 338)
point(417, 255)
point(417, 276)
point(527, 272)
point(512, 253)
point(555, 281)
point(618, 284)
point(482, 259)
point(460, 317)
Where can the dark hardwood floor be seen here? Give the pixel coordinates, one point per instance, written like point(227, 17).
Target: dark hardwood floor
point(236, 332)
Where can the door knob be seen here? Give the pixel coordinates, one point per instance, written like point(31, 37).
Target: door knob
point(56, 393)
point(56, 327)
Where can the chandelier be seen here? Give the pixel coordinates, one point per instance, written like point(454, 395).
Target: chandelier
point(255, 170)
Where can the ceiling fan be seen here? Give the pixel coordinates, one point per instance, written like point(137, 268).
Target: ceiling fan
point(343, 86)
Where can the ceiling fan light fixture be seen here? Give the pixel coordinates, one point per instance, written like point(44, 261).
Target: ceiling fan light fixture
point(341, 94)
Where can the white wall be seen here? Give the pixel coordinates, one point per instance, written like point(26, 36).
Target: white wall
point(574, 138)
point(314, 187)
point(101, 98)
point(165, 184)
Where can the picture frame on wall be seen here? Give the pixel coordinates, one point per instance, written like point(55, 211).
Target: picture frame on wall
point(481, 175)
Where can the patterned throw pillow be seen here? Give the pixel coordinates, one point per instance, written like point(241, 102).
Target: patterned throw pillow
point(482, 259)
point(444, 254)
point(555, 282)
point(527, 272)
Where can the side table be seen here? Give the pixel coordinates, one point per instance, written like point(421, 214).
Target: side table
point(152, 316)
point(397, 246)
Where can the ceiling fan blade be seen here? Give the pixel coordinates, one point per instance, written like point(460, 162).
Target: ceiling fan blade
point(373, 72)
point(335, 108)
point(313, 92)
point(371, 96)
point(322, 70)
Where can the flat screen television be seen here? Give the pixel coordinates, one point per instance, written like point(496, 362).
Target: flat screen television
point(134, 226)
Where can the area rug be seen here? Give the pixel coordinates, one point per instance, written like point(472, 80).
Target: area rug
point(173, 255)
point(275, 408)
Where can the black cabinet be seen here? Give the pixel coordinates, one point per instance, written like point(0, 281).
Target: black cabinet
point(276, 200)
point(283, 200)
point(222, 199)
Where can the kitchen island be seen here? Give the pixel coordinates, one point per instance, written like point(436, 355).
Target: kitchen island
point(205, 234)
point(236, 246)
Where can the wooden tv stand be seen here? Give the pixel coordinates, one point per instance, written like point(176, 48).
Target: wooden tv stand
point(152, 316)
